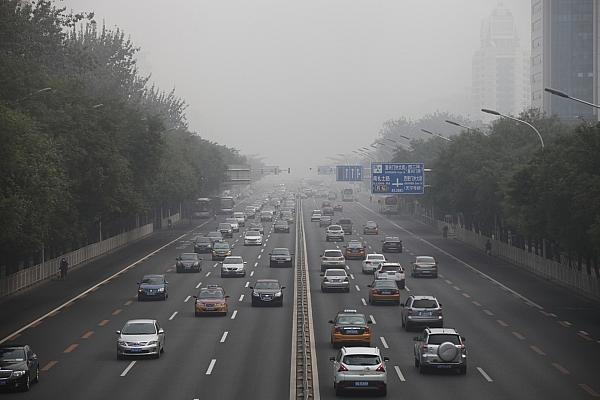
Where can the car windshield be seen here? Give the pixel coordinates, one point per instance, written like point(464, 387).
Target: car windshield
point(442, 338)
point(153, 280)
point(345, 221)
point(352, 319)
point(255, 226)
point(371, 224)
point(426, 260)
point(280, 252)
point(361, 359)
point(189, 256)
point(211, 294)
point(392, 239)
point(221, 246)
point(424, 303)
point(267, 285)
point(333, 253)
point(332, 272)
point(231, 221)
point(139, 328)
point(203, 240)
point(12, 354)
point(233, 260)
point(238, 215)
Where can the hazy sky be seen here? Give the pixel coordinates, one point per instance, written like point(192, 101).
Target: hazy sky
point(296, 81)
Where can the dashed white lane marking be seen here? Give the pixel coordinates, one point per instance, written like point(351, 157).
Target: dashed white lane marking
point(399, 373)
point(198, 285)
point(251, 273)
point(383, 342)
point(466, 295)
point(224, 337)
point(234, 314)
point(562, 369)
point(478, 304)
point(518, 336)
point(241, 297)
point(363, 301)
point(186, 299)
point(372, 320)
point(484, 374)
point(488, 312)
point(357, 288)
point(211, 366)
point(208, 273)
point(173, 315)
point(584, 335)
point(126, 370)
point(589, 390)
point(256, 264)
point(441, 276)
point(448, 282)
point(348, 268)
point(456, 287)
point(502, 323)
point(566, 324)
point(259, 256)
point(214, 266)
point(247, 284)
point(352, 276)
point(406, 288)
point(262, 250)
point(537, 350)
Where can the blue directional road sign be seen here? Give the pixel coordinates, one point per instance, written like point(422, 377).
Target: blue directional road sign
point(397, 178)
point(349, 173)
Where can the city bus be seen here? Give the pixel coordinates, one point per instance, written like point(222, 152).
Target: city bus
point(348, 194)
point(202, 208)
point(388, 205)
point(226, 205)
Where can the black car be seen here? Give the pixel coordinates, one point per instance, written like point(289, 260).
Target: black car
point(391, 244)
point(203, 245)
point(280, 257)
point(226, 229)
point(153, 287)
point(188, 262)
point(19, 367)
point(267, 292)
point(256, 226)
point(281, 226)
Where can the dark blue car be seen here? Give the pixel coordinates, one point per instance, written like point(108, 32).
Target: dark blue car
point(153, 287)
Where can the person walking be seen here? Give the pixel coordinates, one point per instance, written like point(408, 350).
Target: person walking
point(64, 267)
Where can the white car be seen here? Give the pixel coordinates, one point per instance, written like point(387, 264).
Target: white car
point(233, 266)
point(241, 218)
point(253, 238)
point(360, 369)
point(334, 232)
point(234, 224)
point(140, 337)
point(316, 216)
point(332, 259)
point(370, 264)
point(393, 271)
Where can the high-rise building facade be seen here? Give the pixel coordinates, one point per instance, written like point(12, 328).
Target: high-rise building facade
point(501, 75)
point(564, 56)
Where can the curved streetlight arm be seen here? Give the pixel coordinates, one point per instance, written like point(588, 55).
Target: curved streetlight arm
point(436, 134)
point(493, 112)
point(566, 96)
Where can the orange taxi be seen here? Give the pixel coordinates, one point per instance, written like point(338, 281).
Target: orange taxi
point(355, 250)
point(384, 290)
point(211, 300)
point(350, 328)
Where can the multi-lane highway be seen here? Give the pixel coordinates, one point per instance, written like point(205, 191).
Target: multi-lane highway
point(526, 338)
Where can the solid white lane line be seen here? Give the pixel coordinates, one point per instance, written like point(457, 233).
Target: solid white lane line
point(208, 273)
point(172, 315)
point(357, 288)
point(224, 337)
point(198, 285)
point(186, 299)
point(383, 342)
point(234, 314)
point(211, 366)
point(363, 301)
point(483, 373)
point(372, 320)
point(126, 370)
point(241, 297)
point(251, 273)
point(399, 373)
point(256, 264)
point(247, 284)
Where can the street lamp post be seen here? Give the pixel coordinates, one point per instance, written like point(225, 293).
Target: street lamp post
point(494, 112)
point(435, 134)
point(567, 96)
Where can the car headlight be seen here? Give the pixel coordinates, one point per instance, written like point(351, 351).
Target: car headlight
point(162, 289)
point(16, 374)
point(121, 342)
point(278, 294)
point(196, 264)
point(152, 342)
point(140, 290)
point(255, 294)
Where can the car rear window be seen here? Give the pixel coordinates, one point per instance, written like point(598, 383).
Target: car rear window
point(233, 260)
point(331, 272)
point(221, 246)
point(355, 245)
point(333, 253)
point(426, 260)
point(361, 359)
point(376, 258)
point(441, 338)
point(351, 320)
point(424, 303)
point(391, 268)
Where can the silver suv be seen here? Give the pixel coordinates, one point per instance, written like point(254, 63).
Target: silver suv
point(422, 311)
point(359, 368)
point(332, 259)
point(334, 232)
point(440, 348)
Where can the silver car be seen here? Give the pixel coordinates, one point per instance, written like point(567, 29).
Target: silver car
point(332, 259)
point(440, 348)
point(422, 311)
point(140, 337)
point(335, 279)
point(360, 369)
point(425, 266)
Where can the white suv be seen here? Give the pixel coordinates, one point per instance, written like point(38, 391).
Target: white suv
point(332, 259)
point(361, 369)
point(233, 266)
point(393, 271)
point(334, 232)
point(253, 238)
point(371, 262)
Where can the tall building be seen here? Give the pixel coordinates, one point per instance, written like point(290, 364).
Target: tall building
point(501, 75)
point(564, 56)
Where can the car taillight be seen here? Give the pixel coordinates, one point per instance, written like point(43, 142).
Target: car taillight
point(342, 368)
point(337, 330)
point(381, 368)
point(375, 291)
point(423, 348)
point(410, 312)
point(396, 291)
point(367, 330)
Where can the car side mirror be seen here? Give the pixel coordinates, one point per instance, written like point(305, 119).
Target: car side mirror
point(161, 331)
point(386, 359)
point(331, 358)
point(118, 332)
point(178, 258)
point(245, 262)
point(330, 321)
point(322, 274)
point(34, 356)
point(166, 283)
point(137, 283)
point(283, 287)
point(251, 287)
point(369, 285)
point(440, 304)
point(195, 297)
point(401, 304)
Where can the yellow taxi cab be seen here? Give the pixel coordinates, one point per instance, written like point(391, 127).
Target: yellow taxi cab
point(355, 249)
point(384, 290)
point(350, 328)
point(211, 300)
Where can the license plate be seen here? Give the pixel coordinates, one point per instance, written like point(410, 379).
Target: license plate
point(135, 350)
point(209, 308)
point(386, 292)
point(361, 383)
point(444, 366)
point(426, 314)
point(351, 331)
point(3, 382)
point(279, 261)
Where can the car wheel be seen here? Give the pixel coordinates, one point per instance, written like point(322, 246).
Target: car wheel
point(402, 322)
point(407, 326)
point(338, 391)
point(36, 379)
point(435, 276)
point(140, 298)
point(27, 384)
point(347, 290)
point(157, 355)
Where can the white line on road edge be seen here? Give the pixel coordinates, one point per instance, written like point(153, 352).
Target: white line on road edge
point(172, 315)
point(372, 320)
point(363, 301)
point(96, 286)
point(251, 273)
point(459, 260)
point(211, 366)
point(224, 337)
point(186, 299)
point(486, 376)
point(126, 370)
point(247, 284)
point(198, 285)
point(357, 288)
point(234, 314)
point(399, 373)
point(383, 342)
point(241, 297)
